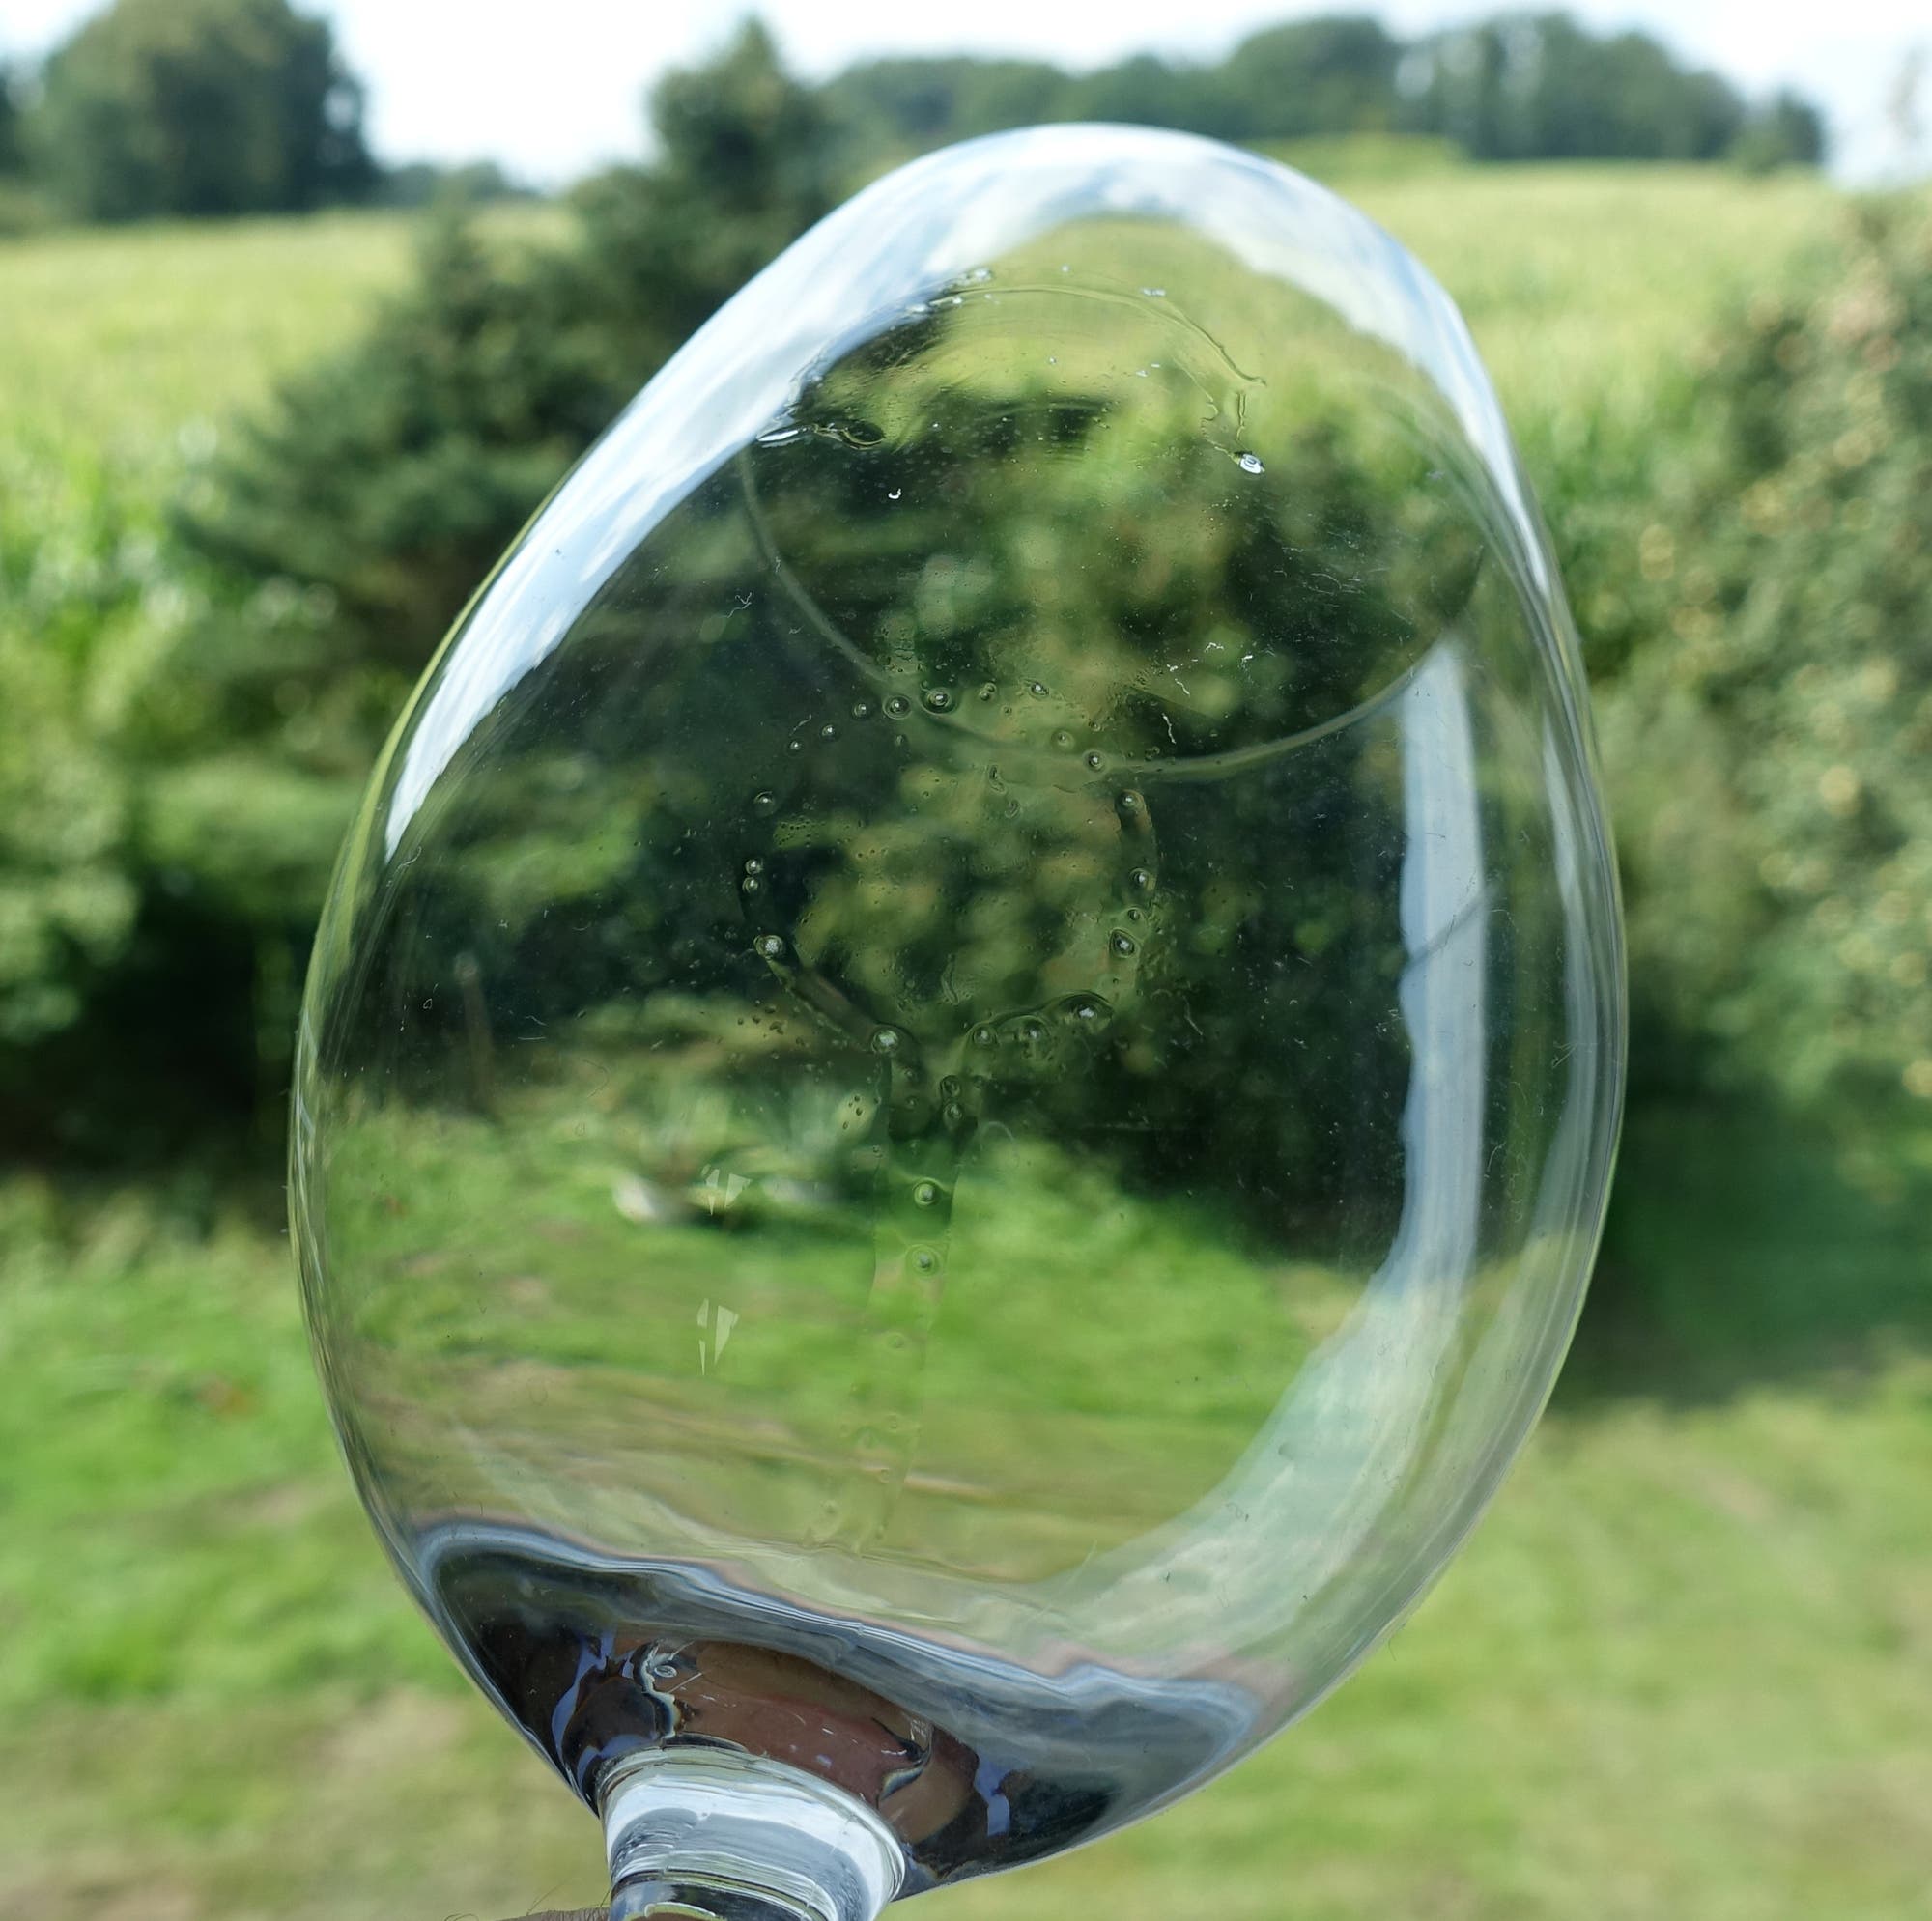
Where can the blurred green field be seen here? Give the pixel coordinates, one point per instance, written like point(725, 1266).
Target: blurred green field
point(1684, 1670)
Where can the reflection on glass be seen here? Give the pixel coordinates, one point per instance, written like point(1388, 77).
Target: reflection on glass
point(959, 1085)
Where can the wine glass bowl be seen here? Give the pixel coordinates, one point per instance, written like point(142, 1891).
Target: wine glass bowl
point(960, 1079)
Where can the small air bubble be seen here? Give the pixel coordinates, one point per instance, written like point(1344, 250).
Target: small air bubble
point(1250, 463)
point(988, 691)
point(1121, 944)
point(983, 1036)
point(861, 710)
point(937, 698)
point(1037, 689)
point(895, 493)
point(1142, 880)
point(764, 801)
point(1155, 293)
point(772, 946)
point(1131, 802)
point(828, 732)
point(1063, 740)
point(794, 747)
point(754, 865)
point(1095, 762)
point(925, 1260)
point(884, 1040)
point(898, 706)
point(751, 883)
point(926, 1194)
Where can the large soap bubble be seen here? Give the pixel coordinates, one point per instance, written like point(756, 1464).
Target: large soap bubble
point(959, 1085)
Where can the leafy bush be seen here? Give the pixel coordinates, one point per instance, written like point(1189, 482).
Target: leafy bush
point(1770, 743)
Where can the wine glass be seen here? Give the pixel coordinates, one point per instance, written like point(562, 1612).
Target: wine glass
point(960, 1078)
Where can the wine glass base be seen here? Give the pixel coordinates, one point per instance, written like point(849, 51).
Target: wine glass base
point(728, 1836)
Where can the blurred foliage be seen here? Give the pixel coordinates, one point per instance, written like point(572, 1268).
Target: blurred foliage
point(1771, 742)
point(198, 107)
point(13, 151)
point(210, 690)
point(1528, 85)
point(1515, 87)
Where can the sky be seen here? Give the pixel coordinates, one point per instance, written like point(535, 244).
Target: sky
point(552, 89)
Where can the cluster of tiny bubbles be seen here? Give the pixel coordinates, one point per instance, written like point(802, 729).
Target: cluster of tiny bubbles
point(990, 691)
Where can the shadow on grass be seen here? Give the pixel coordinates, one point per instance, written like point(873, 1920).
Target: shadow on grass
point(1747, 1248)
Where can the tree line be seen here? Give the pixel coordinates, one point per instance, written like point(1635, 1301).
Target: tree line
point(211, 108)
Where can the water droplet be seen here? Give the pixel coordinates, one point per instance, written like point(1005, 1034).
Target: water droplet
point(926, 1194)
point(1250, 463)
point(898, 705)
point(937, 698)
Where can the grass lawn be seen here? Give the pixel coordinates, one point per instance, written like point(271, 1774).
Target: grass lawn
point(1684, 1671)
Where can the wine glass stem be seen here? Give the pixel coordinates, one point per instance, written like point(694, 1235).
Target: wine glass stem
point(713, 1832)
